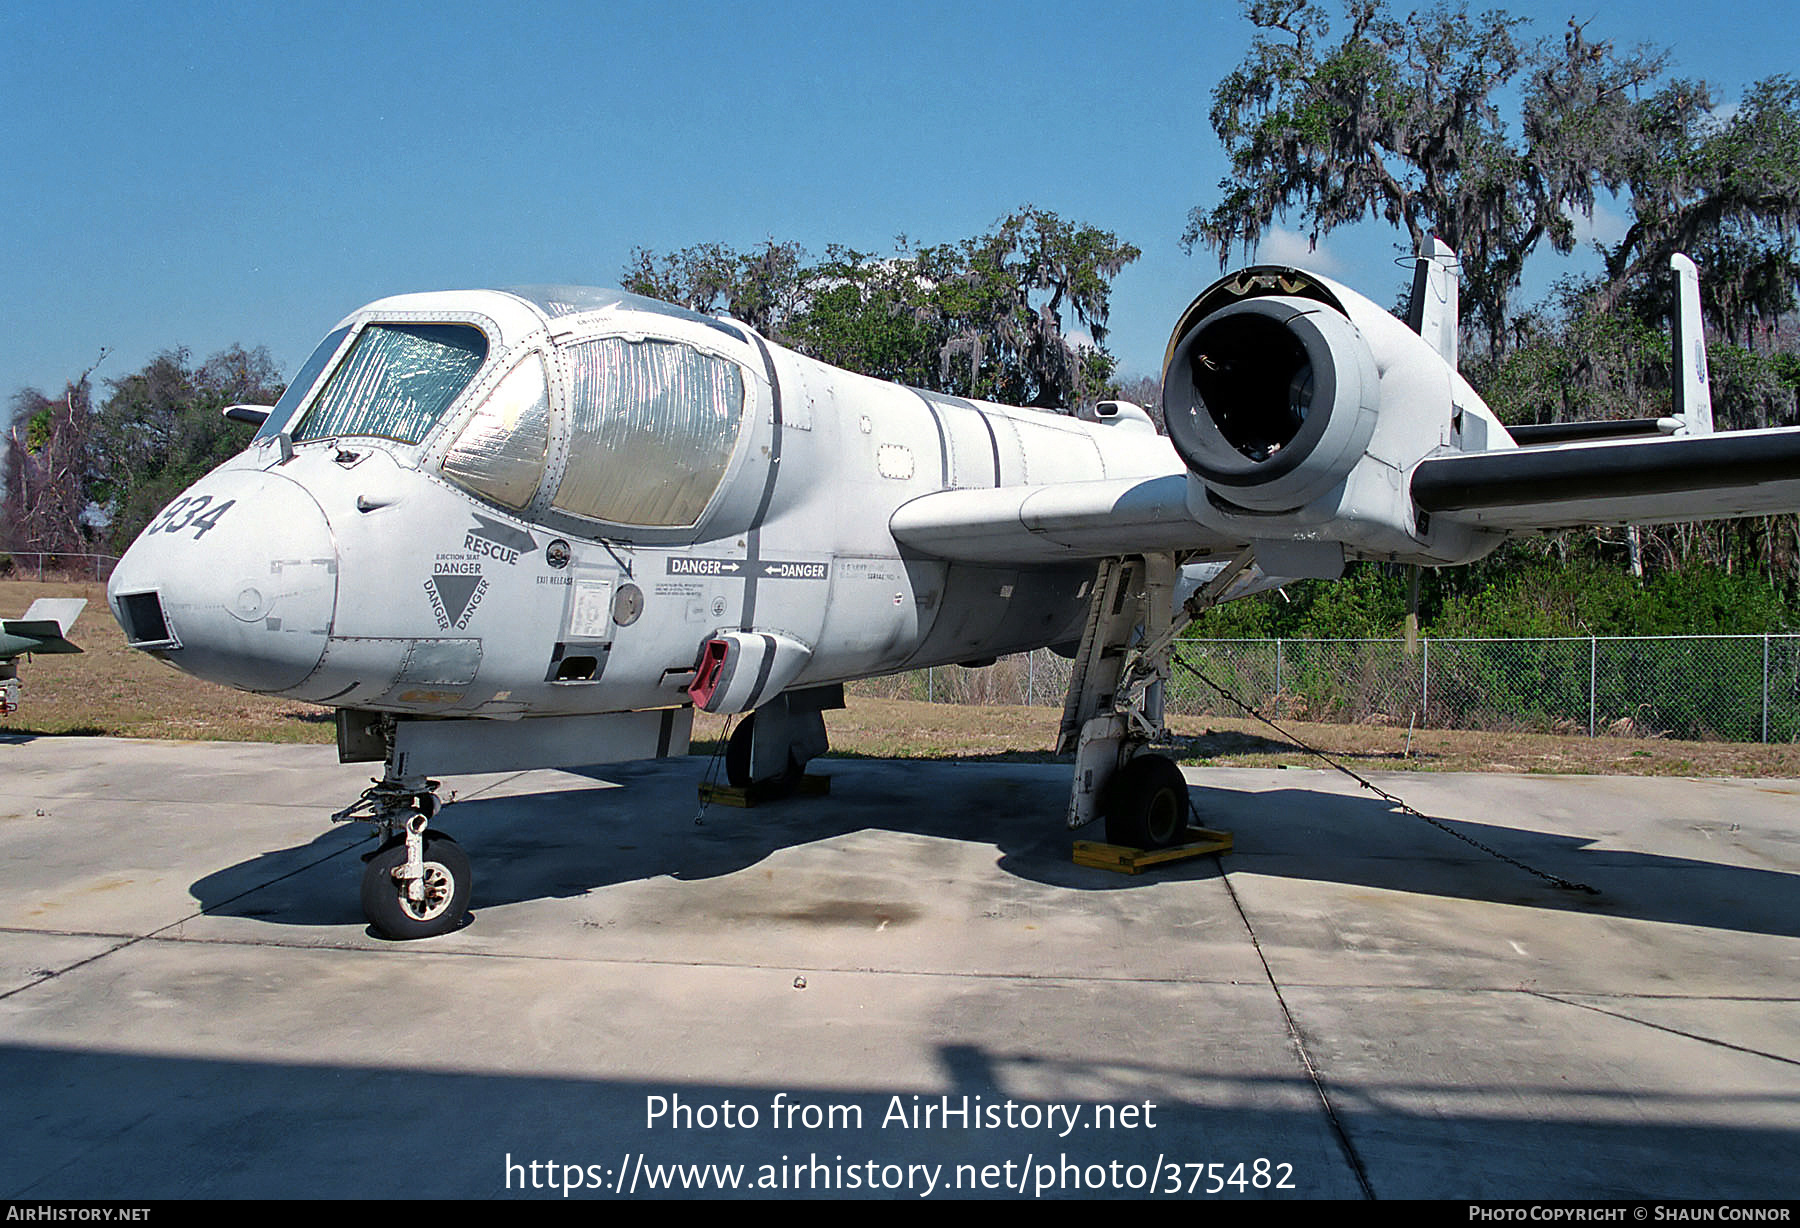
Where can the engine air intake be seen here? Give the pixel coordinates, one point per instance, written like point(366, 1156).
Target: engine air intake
point(1271, 400)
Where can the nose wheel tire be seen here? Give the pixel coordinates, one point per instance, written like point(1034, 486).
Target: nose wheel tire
point(444, 898)
point(1147, 804)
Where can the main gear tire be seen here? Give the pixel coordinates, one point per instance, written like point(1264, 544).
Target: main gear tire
point(737, 763)
point(1147, 804)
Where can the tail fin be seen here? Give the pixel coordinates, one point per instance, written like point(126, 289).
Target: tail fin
point(63, 611)
point(1693, 396)
point(1432, 310)
point(47, 622)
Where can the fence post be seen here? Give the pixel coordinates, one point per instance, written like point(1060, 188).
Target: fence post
point(1765, 736)
point(1030, 676)
point(1275, 703)
point(1593, 655)
point(1424, 679)
point(931, 685)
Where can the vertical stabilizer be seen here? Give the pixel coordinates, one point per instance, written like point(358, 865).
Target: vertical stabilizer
point(1693, 395)
point(1432, 310)
point(63, 611)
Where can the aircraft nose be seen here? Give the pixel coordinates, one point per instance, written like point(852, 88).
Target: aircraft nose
point(234, 582)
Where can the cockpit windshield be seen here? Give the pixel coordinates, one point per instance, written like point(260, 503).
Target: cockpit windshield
point(395, 382)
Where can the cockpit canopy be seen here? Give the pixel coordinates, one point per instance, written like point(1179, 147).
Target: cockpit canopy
point(621, 430)
point(652, 425)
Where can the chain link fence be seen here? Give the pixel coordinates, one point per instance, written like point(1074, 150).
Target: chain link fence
point(30, 565)
point(1711, 688)
point(1714, 688)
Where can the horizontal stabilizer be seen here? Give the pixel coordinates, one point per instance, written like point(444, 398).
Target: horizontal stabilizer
point(1583, 432)
point(1644, 481)
point(44, 628)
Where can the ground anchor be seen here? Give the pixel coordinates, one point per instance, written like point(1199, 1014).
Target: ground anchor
point(762, 792)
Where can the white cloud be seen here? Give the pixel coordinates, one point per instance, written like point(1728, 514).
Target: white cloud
point(1281, 246)
point(1607, 226)
point(1723, 114)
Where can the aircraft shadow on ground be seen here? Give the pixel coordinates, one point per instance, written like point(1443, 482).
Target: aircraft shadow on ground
point(567, 843)
point(265, 1128)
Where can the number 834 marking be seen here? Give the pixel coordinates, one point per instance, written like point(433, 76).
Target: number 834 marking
point(190, 512)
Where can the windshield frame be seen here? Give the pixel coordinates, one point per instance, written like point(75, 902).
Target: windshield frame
point(297, 395)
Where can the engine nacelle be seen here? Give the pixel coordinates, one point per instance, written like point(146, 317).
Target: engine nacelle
point(1271, 401)
point(1300, 409)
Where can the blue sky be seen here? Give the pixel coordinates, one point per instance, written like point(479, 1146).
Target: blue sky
point(208, 174)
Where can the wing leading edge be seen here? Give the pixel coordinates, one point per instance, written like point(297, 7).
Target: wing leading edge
point(1632, 481)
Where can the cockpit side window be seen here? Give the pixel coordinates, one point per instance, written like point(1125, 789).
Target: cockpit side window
point(396, 381)
point(652, 426)
point(500, 453)
point(302, 383)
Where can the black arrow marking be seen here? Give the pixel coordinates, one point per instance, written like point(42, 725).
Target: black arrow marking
point(502, 534)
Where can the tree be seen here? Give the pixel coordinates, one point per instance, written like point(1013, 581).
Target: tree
point(1573, 359)
point(761, 287)
point(873, 315)
point(1003, 310)
point(1725, 190)
point(1401, 121)
point(161, 429)
point(984, 317)
point(48, 470)
point(1571, 362)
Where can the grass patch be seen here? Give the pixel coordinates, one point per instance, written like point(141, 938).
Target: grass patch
point(111, 690)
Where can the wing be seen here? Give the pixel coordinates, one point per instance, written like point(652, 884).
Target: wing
point(1310, 426)
point(1640, 481)
point(1064, 522)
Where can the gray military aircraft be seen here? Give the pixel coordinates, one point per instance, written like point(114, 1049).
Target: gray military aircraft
point(540, 527)
point(45, 628)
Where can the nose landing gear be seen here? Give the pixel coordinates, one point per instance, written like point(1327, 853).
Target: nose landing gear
point(416, 885)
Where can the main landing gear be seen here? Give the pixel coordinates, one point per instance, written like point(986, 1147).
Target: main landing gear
point(416, 883)
point(738, 759)
point(1113, 715)
point(772, 745)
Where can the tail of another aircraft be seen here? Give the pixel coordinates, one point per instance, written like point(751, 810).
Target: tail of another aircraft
point(45, 627)
point(1693, 394)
